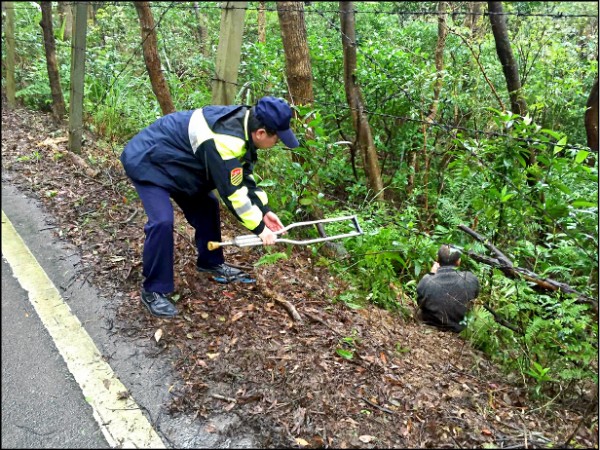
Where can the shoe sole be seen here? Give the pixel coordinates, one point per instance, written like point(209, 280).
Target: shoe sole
point(226, 280)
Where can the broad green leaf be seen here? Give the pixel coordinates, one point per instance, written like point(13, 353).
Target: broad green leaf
point(560, 145)
point(552, 133)
point(346, 354)
point(506, 197)
point(583, 204)
point(581, 155)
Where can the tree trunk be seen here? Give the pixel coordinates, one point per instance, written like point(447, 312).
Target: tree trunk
point(364, 137)
point(202, 30)
point(591, 118)
point(229, 52)
point(262, 35)
point(437, 87)
point(65, 11)
point(10, 54)
point(297, 58)
point(58, 102)
point(77, 78)
point(92, 8)
point(151, 58)
point(439, 60)
point(298, 71)
point(511, 73)
point(473, 18)
point(507, 59)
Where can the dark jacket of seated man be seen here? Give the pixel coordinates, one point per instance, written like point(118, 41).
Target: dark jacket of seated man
point(444, 295)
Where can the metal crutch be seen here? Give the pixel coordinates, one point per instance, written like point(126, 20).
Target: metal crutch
point(250, 240)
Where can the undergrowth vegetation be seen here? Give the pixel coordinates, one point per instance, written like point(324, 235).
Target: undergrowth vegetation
point(528, 184)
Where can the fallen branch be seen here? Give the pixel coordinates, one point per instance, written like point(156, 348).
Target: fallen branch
point(317, 319)
point(375, 405)
point(222, 397)
point(506, 266)
point(283, 302)
point(79, 161)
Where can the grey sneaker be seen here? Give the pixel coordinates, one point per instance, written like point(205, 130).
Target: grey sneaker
point(224, 273)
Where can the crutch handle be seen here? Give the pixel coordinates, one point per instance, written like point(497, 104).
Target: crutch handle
point(213, 245)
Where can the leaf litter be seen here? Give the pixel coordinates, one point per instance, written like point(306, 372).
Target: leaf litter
point(337, 378)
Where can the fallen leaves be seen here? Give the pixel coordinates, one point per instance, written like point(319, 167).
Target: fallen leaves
point(242, 338)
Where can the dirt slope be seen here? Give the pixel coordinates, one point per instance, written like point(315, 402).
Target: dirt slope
point(238, 349)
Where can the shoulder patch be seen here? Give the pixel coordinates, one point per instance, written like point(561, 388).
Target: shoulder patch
point(236, 176)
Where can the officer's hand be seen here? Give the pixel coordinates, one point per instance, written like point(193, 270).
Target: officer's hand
point(272, 221)
point(267, 236)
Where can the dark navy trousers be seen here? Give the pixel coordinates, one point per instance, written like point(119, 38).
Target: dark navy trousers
point(201, 211)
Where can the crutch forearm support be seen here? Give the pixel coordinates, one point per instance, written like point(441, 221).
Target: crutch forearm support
point(251, 240)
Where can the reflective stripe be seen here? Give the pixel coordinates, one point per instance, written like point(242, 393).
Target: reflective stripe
point(198, 130)
point(240, 201)
point(229, 147)
point(250, 214)
point(262, 196)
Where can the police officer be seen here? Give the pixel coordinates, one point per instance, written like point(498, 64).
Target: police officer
point(184, 156)
point(445, 294)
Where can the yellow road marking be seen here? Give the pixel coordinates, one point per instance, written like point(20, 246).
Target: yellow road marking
point(120, 420)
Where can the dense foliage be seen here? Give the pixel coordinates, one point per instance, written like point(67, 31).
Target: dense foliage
point(544, 216)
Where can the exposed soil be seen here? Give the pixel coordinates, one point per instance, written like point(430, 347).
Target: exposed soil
point(236, 347)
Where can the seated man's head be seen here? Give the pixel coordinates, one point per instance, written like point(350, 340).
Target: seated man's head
point(448, 255)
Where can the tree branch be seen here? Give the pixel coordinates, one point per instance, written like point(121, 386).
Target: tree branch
point(507, 267)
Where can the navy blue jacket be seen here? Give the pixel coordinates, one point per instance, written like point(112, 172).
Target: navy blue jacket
point(193, 152)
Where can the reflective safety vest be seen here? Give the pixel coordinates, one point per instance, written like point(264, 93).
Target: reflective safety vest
point(193, 152)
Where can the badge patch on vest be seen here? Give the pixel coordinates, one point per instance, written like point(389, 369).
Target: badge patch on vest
point(236, 176)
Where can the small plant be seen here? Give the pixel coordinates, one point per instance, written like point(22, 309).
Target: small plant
point(270, 258)
point(347, 345)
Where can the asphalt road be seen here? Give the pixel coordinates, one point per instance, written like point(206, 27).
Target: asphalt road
point(42, 406)
point(48, 394)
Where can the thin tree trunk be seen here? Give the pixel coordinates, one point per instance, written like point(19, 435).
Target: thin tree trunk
point(92, 13)
point(202, 30)
point(507, 59)
point(364, 137)
point(298, 67)
point(10, 54)
point(297, 58)
point(58, 102)
point(77, 78)
point(511, 73)
point(473, 18)
point(229, 52)
point(65, 11)
point(298, 71)
point(151, 58)
point(437, 87)
point(591, 118)
point(262, 35)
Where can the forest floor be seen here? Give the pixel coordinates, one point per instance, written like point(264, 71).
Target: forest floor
point(236, 347)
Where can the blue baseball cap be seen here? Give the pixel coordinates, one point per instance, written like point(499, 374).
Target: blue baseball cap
point(276, 114)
